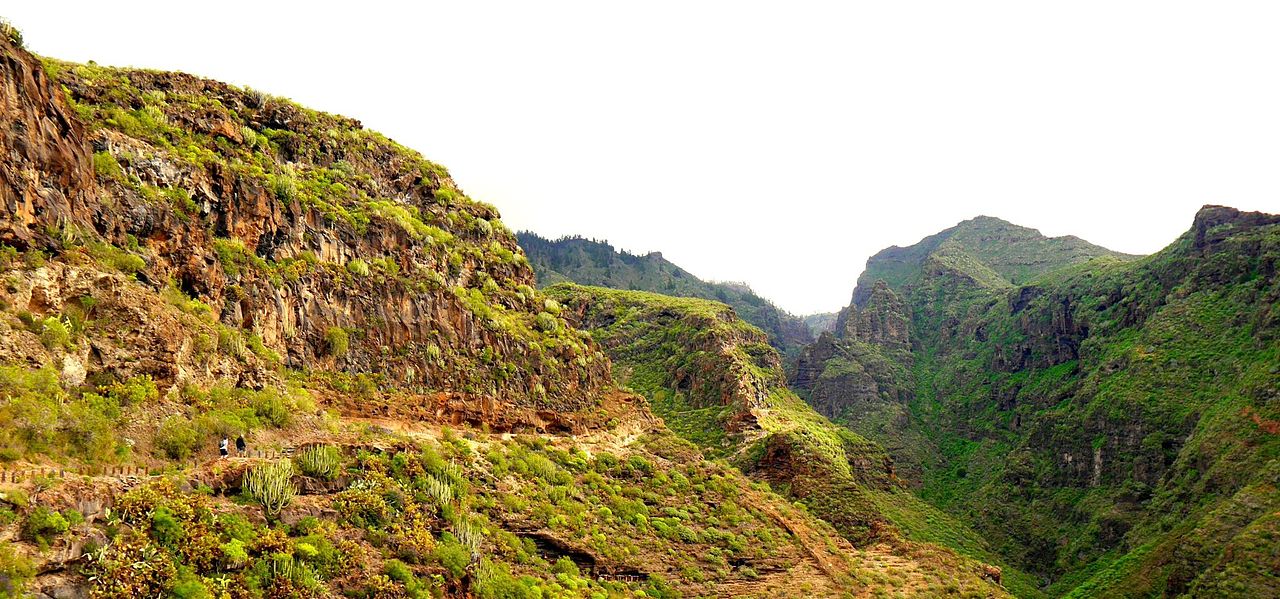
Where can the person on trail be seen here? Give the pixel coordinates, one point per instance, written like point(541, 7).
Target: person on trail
point(240, 446)
point(222, 447)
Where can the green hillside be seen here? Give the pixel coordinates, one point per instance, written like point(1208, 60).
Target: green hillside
point(1108, 425)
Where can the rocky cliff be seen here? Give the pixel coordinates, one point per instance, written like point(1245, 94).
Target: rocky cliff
point(1101, 422)
point(323, 242)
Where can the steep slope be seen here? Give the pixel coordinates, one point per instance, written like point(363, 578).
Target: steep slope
point(596, 263)
point(716, 382)
point(1108, 426)
point(184, 261)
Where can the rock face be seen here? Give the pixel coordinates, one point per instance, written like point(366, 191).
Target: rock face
point(46, 175)
point(1067, 409)
point(303, 238)
point(596, 263)
point(881, 319)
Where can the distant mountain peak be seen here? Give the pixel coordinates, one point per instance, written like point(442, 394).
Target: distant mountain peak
point(989, 250)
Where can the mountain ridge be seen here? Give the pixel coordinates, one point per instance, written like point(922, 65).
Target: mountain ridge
point(591, 262)
point(1008, 399)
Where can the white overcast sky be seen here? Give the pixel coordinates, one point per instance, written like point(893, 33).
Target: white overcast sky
point(779, 144)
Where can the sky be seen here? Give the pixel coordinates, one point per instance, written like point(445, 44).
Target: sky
point(780, 144)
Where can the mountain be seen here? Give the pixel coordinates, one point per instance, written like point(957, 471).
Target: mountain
point(821, 322)
point(186, 263)
point(1105, 422)
point(596, 263)
point(991, 251)
point(716, 382)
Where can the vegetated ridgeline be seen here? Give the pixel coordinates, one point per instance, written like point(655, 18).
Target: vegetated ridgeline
point(596, 263)
point(1106, 422)
point(184, 261)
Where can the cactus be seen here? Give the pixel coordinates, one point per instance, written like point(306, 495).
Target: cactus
point(271, 485)
point(320, 461)
point(440, 491)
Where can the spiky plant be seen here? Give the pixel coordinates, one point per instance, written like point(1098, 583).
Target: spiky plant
point(320, 461)
point(271, 485)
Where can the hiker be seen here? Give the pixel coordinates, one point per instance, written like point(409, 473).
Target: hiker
point(222, 447)
point(240, 446)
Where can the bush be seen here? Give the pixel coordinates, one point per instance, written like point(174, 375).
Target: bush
point(358, 267)
point(338, 341)
point(260, 349)
point(43, 524)
point(106, 166)
point(451, 554)
point(545, 322)
point(189, 586)
point(234, 554)
point(397, 570)
point(177, 438)
point(181, 199)
point(15, 571)
point(271, 485)
point(55, 333)
point(116, 258)
point(136, 390)
point(565, 565)
point(271, 408)
point(320, 461)
point(165, 527)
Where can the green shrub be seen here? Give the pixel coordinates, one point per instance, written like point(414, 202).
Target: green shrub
point(14, 496)
point(106, 166)
point(494, 581)
point(399, 572)
point(115, 257)
point(15, 571)
point(271, 408)
point(165, 527)
point(320, 461)
point(177, 438)
point(189, 586)
point(271, 485)
point(135, 391)
point(338, 341)
point(43, 524)
point(181, 199)
point(284, 187)
point(452, 555)
point(358, 267)
point(55, 333)
point(260, 349)
point(565, 565)
point(234, 554)
point(546, 323)
point(640, 465)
